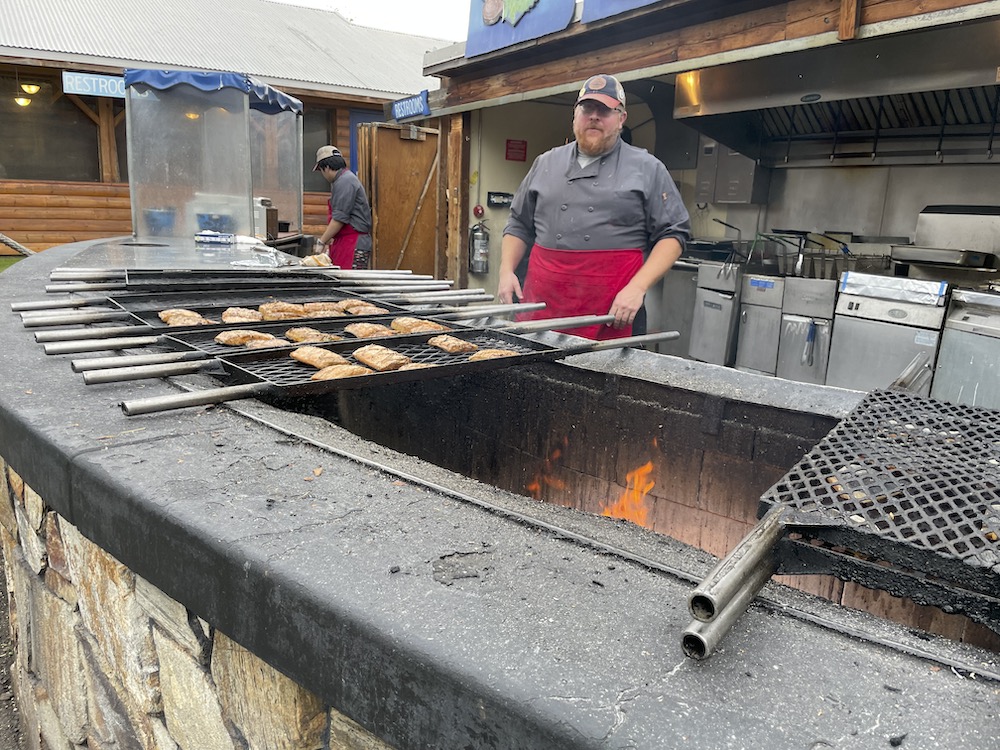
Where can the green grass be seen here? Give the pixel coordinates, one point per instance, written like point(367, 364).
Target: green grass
point(6, 261)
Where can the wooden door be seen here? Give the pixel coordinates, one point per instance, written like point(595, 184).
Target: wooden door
point(399, 166)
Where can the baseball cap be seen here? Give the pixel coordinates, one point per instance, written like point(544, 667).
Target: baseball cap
point(325, 152)
point(605, 89)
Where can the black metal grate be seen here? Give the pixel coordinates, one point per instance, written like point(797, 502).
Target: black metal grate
point(903, 471)
point(275, 367)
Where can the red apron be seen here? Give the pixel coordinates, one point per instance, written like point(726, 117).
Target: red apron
point(342, 247)
point(573, 282)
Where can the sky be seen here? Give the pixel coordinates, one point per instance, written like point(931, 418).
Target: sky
point(442, 19)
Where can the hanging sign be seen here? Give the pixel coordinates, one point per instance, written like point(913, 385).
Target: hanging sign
point(412, 106)
point(594, 10)
point(90, 84)
point(495, 24)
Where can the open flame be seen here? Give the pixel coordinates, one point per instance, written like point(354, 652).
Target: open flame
point(546, 478)
point(632, 506)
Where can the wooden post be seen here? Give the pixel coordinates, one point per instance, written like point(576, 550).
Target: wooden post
point(850, 16)
point(456, 198)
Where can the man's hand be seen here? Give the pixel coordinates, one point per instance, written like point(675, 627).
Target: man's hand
point(626, 304)
point(509, 288)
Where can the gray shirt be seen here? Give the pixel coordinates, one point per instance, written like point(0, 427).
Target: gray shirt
point(349, 205)
point(624, 199)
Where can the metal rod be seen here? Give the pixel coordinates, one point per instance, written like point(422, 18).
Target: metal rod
point(552, 324)
point(65, 319)
point(143, 372)
point(88, 334)
point(714, 593)
point(196, 398)
point(135, 360)
point(100, 345)
point(45, 304)
point(700, 639)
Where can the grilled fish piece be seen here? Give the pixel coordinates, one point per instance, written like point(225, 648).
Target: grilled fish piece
point(166, 315)
point(241, 315)
point(417, 366)
point(330, 308)
point(368, 330)
point(340, 371)
point(347, 304)
point(416, 325)
point(304, 334)
point(281, 311)
point(491, 354)
point(318, 357)
point(451, 344)
point(270, 343)
point(380, 358)
point(181, 317)
point(316, 260)
point(240, 337)
point(367, 310)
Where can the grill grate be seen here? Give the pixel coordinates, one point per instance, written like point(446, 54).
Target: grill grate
point(275, 366)
point(908, 479)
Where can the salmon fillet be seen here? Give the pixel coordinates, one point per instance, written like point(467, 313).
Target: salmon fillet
point(281, 311)
point(451, 344)
point(318, 357)
point(368, 330)
point(316, 260)
point(340, 371)
point(270, 343)
point(240, 337)
point(380, 358)
point(417, 366)
point(241, 315)
point(311, 335)
point(416, 325)
point(367, 310)
point(347, 304)
point(331, 308)
point(491, 354)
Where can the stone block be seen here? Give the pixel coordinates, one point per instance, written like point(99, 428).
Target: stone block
point(57, 661)
point(34, 508)
point(173, 619)
point(16, 485)
point(32, 545)
point(20, 582)
point(111, 722)
point(54, 549)
point(61, 587)
point(7, 500)
point(112, 616)
point(349, 735)
point(270, 710)
point(191, 707)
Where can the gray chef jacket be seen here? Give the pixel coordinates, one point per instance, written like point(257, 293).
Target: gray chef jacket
point(349, 205)
point(625, 199)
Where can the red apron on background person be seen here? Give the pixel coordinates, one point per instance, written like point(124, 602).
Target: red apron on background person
point(342, 247)
point(574, 282)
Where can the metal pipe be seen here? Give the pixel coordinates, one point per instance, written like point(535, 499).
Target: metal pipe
point(727, 578)
point(100, 345)
point(37, 320)
point(86, 334)
point(700, 638)
point(135, 360)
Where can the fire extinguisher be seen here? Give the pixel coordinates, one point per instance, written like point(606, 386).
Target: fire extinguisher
point(479, 248)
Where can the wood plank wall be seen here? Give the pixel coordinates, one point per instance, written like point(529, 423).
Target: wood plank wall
point(42, 214)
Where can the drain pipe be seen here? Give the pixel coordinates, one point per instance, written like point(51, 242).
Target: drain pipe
point(718, 601)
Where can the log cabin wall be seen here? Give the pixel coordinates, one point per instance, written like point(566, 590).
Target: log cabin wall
point(42, 214)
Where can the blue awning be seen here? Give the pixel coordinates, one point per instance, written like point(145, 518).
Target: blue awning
point(263, 98)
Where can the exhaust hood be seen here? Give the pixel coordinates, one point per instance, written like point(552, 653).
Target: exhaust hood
point(916, 95)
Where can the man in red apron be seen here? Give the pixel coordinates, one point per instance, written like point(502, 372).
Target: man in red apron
point(347, 237)
point(603, 221)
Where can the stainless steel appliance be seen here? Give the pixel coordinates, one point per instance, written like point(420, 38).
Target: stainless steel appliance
point(716, 308)
point(880, 324)
point(969, 359)
point(670, 307)
point(956, 235)
point(759, 323)
point(806, 325)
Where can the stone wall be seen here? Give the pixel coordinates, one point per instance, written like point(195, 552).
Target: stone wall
point(103, 659)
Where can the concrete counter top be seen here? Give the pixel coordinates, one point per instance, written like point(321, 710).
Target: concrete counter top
point(431, 620)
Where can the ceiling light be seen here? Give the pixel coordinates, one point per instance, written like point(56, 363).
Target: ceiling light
point(192, 115)
point(30, 88)
point(22, 101)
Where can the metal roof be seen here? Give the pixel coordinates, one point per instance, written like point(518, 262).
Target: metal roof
point(314, 49)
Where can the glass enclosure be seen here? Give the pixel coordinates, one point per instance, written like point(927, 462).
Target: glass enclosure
point(211, 151)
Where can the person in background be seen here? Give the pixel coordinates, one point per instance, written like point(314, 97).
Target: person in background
point(603, 221)
point(347, 238)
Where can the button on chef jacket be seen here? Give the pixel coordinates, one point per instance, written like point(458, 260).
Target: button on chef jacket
point(563, 206)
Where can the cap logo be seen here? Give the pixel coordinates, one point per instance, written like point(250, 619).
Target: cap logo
point(596, 83)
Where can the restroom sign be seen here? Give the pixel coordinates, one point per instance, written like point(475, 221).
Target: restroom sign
point(517, 150)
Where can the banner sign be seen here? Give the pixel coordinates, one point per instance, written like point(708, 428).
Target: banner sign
point(90, 84)
point(412, 106)
point(495, 24)
point(594, 10)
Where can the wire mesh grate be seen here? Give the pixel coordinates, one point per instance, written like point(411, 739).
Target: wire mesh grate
point(910, 470)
